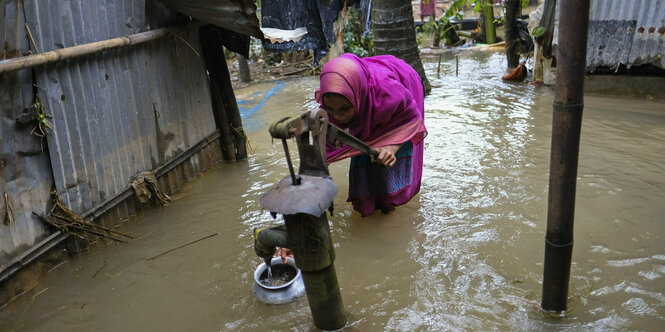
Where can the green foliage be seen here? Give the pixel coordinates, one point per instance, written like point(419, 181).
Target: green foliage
point(272, 58)
point(456, 7)
point(419, 37)
point(538, 32)
point(354, 41)
point(440, 30)
point(478, 6)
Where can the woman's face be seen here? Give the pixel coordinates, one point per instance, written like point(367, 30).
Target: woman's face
point(339, 107)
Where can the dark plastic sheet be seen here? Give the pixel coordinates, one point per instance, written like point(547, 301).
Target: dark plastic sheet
point(317, 16)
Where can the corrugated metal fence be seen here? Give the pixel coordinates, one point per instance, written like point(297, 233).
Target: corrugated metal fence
point(114, 114)
point(631, 33)
point(122, 111)
point(25, 172)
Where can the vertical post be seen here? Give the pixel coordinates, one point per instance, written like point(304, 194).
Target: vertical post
point(218, 72)
point(213, 53)
point(456, 65)
point(243, 68)
point(566, 125)
point(312, 246)
point(233, 113)
point(488, 16)
point(512, 36)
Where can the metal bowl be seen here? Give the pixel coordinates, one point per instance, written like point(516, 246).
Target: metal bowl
point(288, 292)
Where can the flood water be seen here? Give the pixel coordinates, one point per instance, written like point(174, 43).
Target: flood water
point(464, 254)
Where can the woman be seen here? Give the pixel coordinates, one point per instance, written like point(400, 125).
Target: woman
point(381, 101)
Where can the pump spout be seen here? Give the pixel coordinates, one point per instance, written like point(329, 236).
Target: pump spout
point(266, 241)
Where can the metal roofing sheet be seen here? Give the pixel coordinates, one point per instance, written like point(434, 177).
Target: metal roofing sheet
point(118, 112)
point(114, 114)
point(25, 176)
point(235, 15)
point(626, 32)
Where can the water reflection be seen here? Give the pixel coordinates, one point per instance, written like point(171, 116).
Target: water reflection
point(465, 254)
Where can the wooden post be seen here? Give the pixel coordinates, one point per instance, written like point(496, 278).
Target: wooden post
point(233, 113)
point(243, 68)
point(219, 72)
point(566, 125)
point(213, 53)
point(456, 65)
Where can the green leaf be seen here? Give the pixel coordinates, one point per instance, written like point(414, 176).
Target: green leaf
point(455, 7)
point(538, 32)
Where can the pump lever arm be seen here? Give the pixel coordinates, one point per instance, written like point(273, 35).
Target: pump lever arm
point(293, 126)
point(338, 134)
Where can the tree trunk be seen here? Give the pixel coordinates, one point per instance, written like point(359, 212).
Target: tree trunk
point(395, 34)
point(243, 68)
point(512, 37)
point(488, 16)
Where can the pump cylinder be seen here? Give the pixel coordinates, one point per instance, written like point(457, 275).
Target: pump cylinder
point(314, 253)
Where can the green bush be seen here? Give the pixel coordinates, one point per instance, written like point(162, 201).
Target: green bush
point(354, 41)
point(441, 29)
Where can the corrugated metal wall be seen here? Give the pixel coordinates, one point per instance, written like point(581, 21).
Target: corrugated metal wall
point(626, 32)
point(115, 113)
point(25, 173)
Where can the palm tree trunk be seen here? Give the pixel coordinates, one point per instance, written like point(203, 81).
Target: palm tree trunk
point(512, 38)
point(395, 34)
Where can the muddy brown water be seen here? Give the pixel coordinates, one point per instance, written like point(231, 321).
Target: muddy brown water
point(466, 253)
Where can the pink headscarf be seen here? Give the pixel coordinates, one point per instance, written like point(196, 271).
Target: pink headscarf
point(386, 94)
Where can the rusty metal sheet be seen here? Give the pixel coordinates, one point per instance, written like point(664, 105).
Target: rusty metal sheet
point(239, 16)
point(114, 114)
point(631, 33)
point(119, 112)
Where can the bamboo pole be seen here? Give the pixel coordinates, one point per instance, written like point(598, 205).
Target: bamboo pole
point(34, 60)
point(488, 16)
point(566, 126)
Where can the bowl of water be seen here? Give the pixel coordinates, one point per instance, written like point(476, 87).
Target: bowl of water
point(280, 284)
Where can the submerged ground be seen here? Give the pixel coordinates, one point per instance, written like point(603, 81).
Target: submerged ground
point(466, 253)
